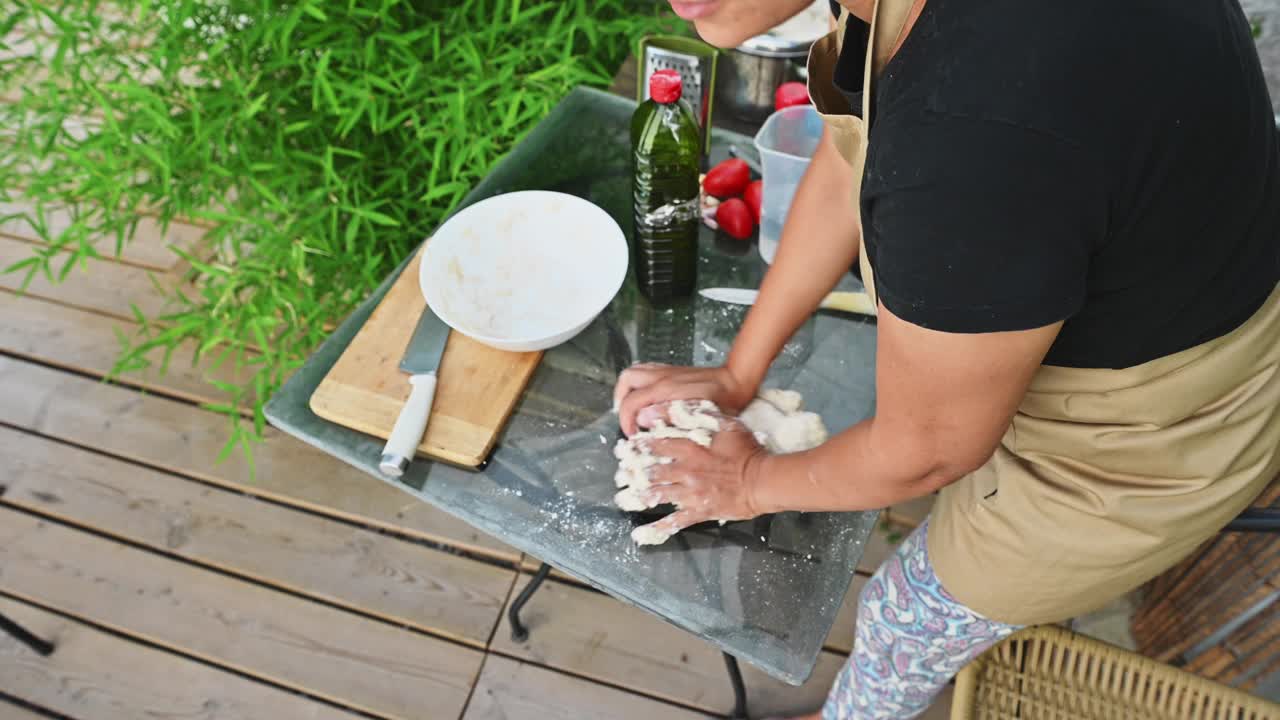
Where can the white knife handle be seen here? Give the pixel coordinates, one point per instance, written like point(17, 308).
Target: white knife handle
point(409, 427)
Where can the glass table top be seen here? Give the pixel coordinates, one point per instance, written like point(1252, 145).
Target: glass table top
point(765, 590)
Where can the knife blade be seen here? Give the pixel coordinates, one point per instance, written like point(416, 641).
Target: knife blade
point(422, 362)
point(850, 302)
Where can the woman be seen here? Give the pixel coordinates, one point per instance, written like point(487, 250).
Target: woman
point(1070, 219)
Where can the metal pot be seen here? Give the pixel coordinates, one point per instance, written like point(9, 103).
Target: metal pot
point(748, 82)
point(753, 71)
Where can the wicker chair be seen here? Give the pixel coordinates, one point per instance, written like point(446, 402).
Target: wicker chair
point(1048, 673)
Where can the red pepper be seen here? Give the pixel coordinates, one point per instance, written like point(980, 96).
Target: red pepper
point(754, 195)
point(728, 179)
point(734, 217)
point(790, 93)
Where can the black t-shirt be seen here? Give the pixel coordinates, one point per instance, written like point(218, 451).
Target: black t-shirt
point(1111, 164)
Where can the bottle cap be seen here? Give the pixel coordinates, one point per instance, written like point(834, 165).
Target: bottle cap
point(665, 86)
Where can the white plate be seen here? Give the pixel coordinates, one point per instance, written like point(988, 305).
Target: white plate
point(524, 271)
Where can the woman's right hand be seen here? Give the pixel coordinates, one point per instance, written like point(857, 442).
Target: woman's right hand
point(646, 385)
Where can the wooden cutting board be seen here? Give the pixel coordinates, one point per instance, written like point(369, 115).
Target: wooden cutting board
point(478, 386)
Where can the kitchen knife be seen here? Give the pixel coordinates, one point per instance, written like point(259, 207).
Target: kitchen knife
point(850, 302)
point(422, 362)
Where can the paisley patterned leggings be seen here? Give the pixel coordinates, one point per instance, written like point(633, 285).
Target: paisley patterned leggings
point(912, 638)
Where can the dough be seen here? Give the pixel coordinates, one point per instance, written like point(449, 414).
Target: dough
point(628, 498)
point(788, 401)
point(649, 535)
point(775, 418)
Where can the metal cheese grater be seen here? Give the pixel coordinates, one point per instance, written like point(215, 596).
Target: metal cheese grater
point(696, 63)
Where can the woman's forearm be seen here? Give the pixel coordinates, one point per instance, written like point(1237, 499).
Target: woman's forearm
point(818, 246)
point(859, 469)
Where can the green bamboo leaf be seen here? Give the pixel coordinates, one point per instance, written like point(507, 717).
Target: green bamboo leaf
point(513, 108)
point(272, 199)
point(31, 264)
point(326, 90)
point(254, 107)
point(528, 16)
point(375, 217)
point(11, 21)
point(449, 188)
point(231, 444)
point(223, 386)
point(315, 12)
point(353, 230)
point(287, 28)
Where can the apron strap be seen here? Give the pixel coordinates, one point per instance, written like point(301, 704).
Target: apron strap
point(841, 23)
point(890, 19)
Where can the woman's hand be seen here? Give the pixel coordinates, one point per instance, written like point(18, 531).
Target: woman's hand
point(714, 483)
point(642, 386)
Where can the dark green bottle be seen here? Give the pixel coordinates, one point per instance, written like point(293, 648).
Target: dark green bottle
point(666, 149)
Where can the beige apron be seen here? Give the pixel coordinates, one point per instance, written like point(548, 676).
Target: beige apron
point(1105, 478)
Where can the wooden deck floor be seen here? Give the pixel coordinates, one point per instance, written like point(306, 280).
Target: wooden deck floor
point(177, 586)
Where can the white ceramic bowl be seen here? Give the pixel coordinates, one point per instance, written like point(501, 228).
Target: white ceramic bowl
point(524, 271)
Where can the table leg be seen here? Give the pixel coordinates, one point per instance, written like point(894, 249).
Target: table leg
point(520, 633)
point(739, 688)
point(43, 647)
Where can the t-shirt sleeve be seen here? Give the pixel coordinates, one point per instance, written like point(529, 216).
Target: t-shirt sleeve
point(981, 226)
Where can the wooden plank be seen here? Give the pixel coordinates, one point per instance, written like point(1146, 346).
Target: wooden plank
point(149, 248)
point(1227, 581)
point(102, 286)
point(1255, 645)
point(125, 37)
point(347, 659)
point(941, 707)
point(1263, 681)
point(180, 438)
point(592, 635)
point(86, 342)
point(479, 386)
point(1151, 624)
point(883, 542)
point(840, 640)
point(1195, 584)
point(514, 690)
point(93, 674)
point(912, 513)
point(406, 583)
point(29, 43)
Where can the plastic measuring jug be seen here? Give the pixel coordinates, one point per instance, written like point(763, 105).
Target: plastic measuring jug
point(786, 142)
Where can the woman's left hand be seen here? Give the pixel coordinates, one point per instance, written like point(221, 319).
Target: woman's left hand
point(714, 483)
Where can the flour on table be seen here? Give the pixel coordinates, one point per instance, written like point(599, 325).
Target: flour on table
point(776, 418)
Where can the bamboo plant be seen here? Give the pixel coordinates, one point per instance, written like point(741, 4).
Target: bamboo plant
point(318, 140)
